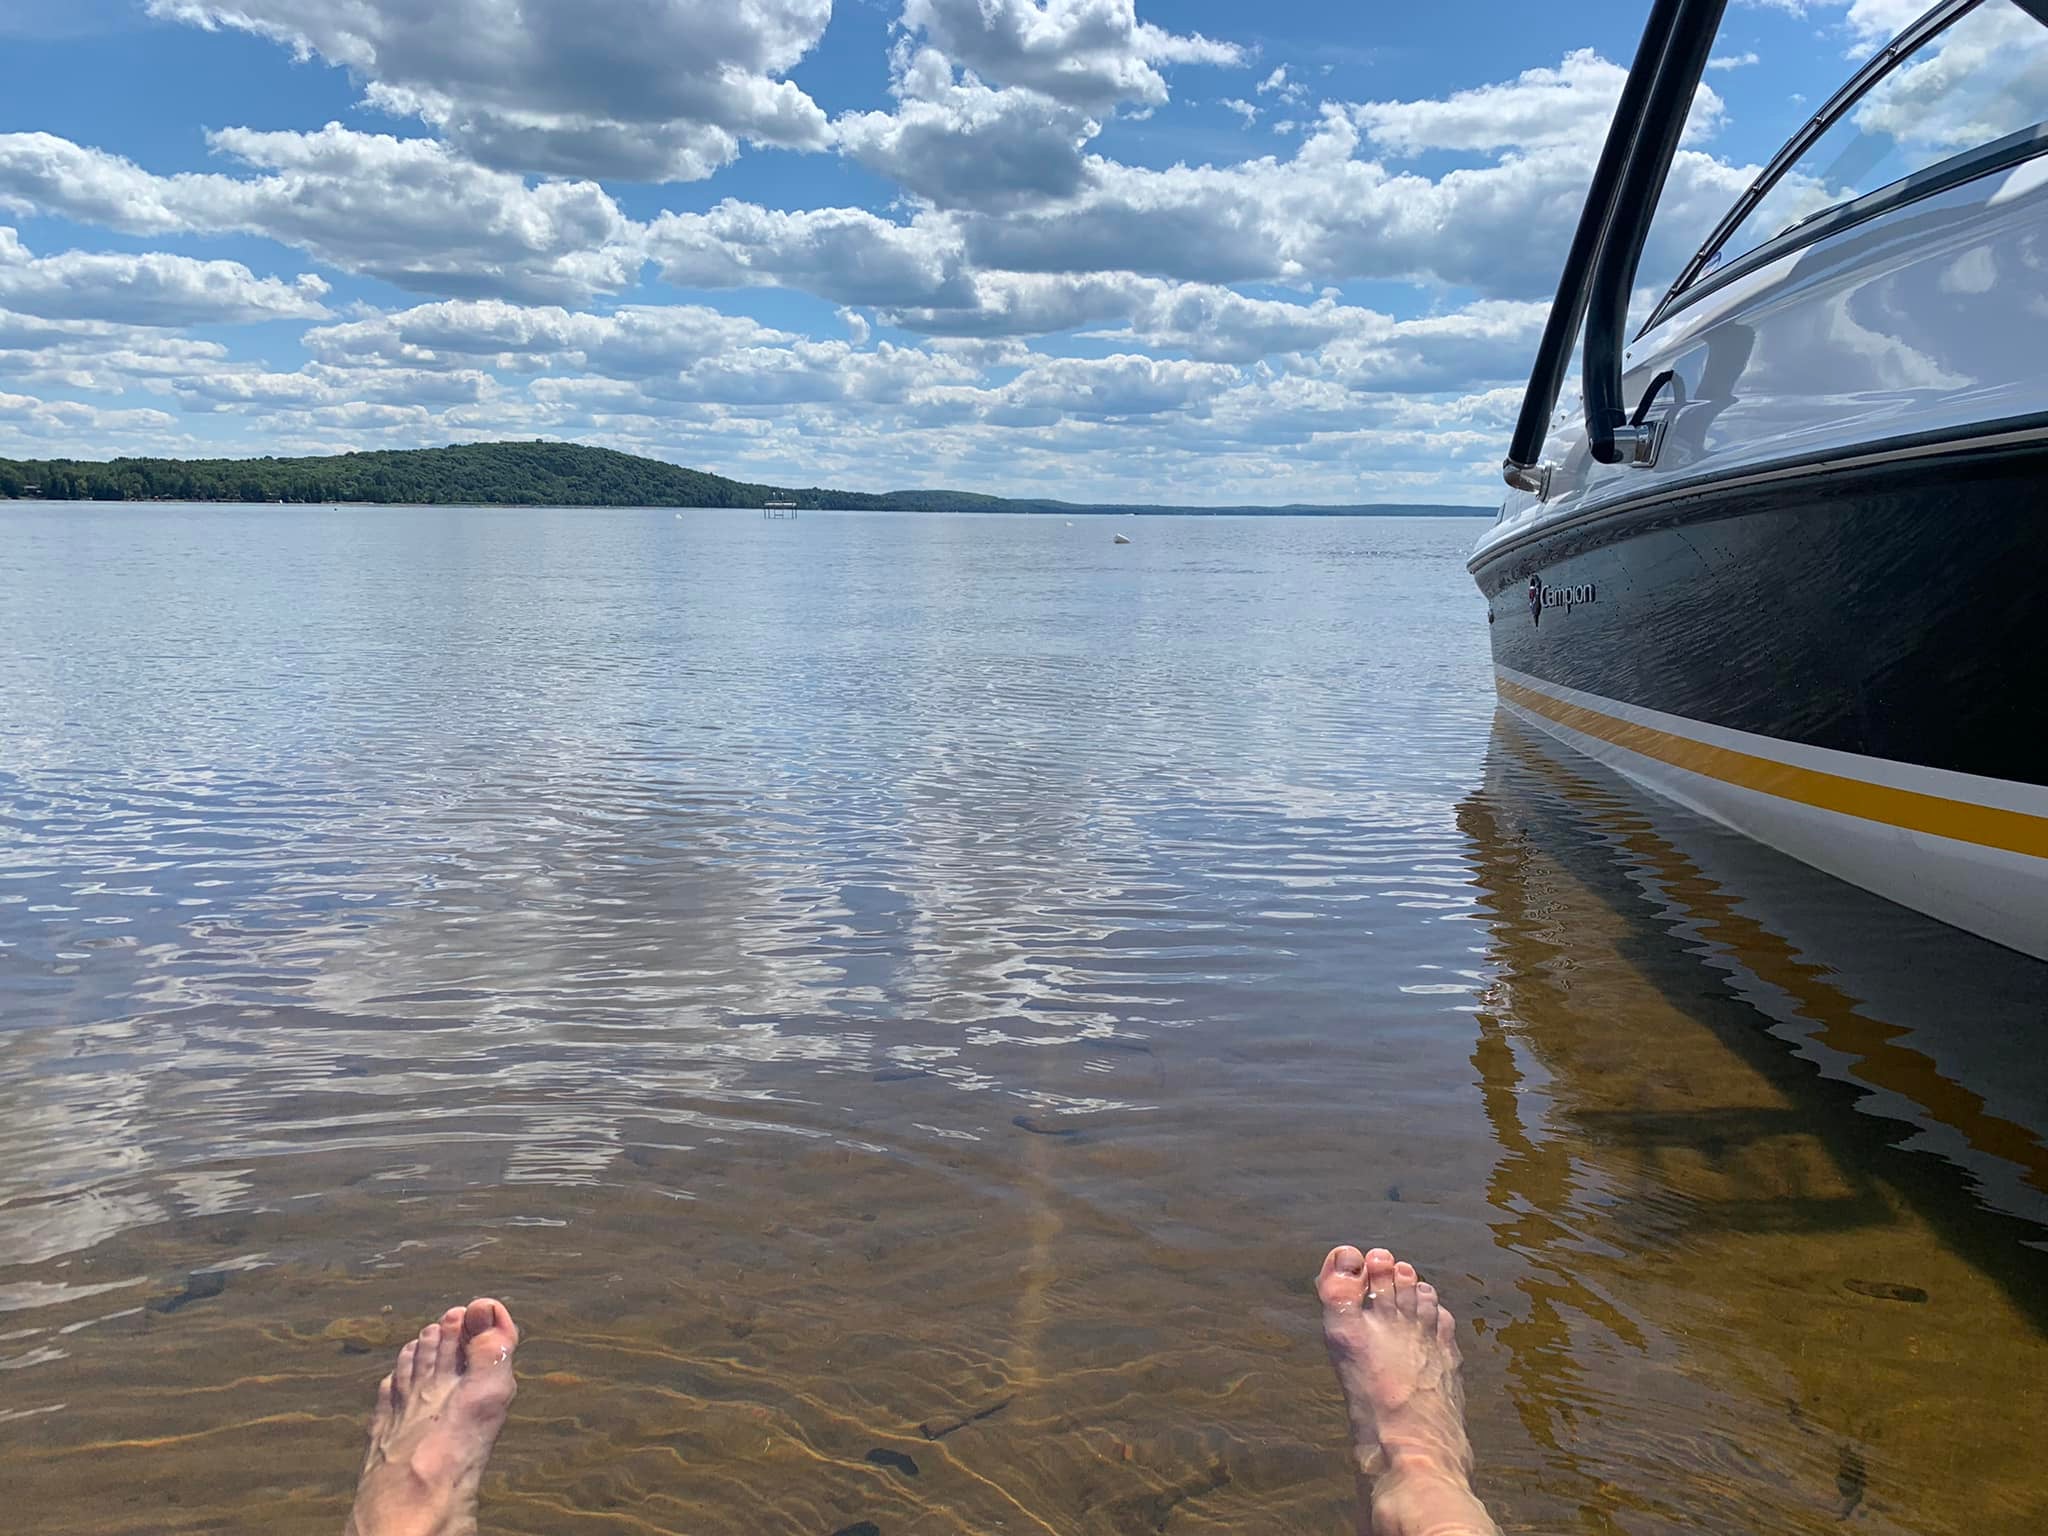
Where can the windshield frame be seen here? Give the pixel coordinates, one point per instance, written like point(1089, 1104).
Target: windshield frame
point(1694, 280)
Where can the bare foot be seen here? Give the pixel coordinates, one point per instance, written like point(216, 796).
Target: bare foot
point(1396, 1352)
point(438, 1415)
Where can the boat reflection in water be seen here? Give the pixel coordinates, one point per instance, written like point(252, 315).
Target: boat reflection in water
point(1771, 1149)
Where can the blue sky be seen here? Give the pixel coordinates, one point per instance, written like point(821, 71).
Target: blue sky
point(1188, 252)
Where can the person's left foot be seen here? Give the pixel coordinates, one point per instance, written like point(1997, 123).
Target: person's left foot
point(1395, 1348)
point(438, 1415)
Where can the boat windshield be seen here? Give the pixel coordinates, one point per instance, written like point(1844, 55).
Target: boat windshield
point(1980, 78)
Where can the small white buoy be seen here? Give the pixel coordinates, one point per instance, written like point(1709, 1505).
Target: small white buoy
point(1121, 539)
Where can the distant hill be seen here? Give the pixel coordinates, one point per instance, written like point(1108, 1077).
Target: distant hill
point(536, 474)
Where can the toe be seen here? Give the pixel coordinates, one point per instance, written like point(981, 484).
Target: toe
point(1446, 1327)
point(426, 1356)
point(488, 1334)
point(1341, 1283)
point(387, 1405)
point(1426, 1306)
point(1379, 1275)
point(448, 1343)
point(401, 1374)
point(1404, 1288)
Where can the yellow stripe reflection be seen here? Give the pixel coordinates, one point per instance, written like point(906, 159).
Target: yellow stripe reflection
point(1987, 826)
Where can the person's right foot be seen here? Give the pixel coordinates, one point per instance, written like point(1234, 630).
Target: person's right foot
point(1395, 1349)
point(438, 1415)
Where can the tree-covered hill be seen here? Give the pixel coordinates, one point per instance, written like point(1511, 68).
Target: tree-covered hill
point(505, 474)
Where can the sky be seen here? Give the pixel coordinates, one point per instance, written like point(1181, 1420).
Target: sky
point(1196, 252)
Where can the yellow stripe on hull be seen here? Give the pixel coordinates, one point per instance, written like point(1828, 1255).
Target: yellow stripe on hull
point(1910, 810)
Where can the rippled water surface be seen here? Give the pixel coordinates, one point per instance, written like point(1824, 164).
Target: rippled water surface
point(899, 1006)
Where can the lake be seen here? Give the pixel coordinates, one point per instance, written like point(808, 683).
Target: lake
point(899, 1006)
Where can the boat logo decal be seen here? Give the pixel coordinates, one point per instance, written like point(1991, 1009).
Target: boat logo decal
point(1542, 596)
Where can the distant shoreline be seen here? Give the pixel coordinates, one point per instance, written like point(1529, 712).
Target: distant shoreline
point(1066, 509)
point(545, 474)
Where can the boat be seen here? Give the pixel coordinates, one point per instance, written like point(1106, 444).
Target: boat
point(1783, 562)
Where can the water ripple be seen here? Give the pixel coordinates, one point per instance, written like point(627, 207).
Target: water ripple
point(334, 869)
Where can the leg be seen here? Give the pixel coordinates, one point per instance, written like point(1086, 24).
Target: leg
point(438, 1415)
point(1396, 1353)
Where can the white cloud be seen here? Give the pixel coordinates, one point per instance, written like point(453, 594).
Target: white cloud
point(1287, 89)
point(40, 172)
point(773, 379)
point(415, 213)
point(962, 144)
point(150, 289)
point(1056, 389)
point(1541, 107)
point(318, 385)
point(638, 341)
point(1327, 215)
point(650, 90)
point(1242, 108)
point(846, 255)
point(356, 416)
point(1872, 23)
point(65, 428)
point(99, 356)
point(410, 211)
point(1492, 340)
point(1206, 320)
point(1983, 78)
point(811, 371)
point(1089, 54)
point(992, 304)
point(1725, 61)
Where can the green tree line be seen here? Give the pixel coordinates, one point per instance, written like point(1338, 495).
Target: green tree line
point(531, 474)
point(508, 474)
